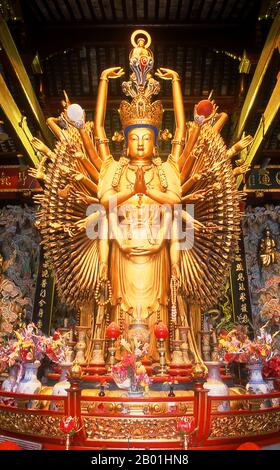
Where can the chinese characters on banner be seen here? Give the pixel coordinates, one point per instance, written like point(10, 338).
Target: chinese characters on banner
point(264, 179)
point(14, 178)
point(43, 301)
point(239, 288)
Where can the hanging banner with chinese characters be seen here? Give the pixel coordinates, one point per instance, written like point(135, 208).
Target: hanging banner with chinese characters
point(44, 294)
point(240, 290)
point(264, 179)
point(15, 178)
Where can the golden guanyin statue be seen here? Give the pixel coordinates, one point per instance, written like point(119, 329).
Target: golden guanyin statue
point(117, 232)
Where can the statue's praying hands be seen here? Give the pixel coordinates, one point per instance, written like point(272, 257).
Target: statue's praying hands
point(140, 185)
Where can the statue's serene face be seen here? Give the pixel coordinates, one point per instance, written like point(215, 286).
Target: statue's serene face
point(140, 143)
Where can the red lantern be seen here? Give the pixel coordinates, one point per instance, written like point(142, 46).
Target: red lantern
point(113, 331)
point(204, 108)
point(161, 330)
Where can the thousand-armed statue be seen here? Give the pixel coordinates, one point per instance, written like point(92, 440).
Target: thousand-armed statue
point(140, 240)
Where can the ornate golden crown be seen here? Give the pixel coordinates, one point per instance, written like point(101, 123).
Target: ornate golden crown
point(141, 87)
point(141, 111)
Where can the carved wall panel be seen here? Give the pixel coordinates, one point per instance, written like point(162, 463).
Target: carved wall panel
point(264, 281)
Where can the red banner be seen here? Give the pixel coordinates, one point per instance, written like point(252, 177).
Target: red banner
point(15, 178)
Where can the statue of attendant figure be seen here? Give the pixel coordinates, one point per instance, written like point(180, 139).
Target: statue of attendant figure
point(12, 300)
point(267, 249)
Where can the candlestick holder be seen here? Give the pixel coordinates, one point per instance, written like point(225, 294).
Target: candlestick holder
point(75, 376)
point(97, 356)
point(161, 333)
point(177, 356)
point(183, 333)
point(162, 360)
point(81, 344)
point(214, 343)
point(206, 349)
point(112, 356)
point(112, 332)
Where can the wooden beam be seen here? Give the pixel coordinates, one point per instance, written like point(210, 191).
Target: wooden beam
point(17, 120)
point(22, 76)
point(272, 153)
point(270, 113)
point(233, 37)
point(272, 42)
point(225, 103)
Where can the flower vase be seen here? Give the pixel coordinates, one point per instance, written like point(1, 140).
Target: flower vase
point(30, 384)
point(215, 385)
point(257, 385)
point(61, 387)
point(276, 384)
point(135, 390)
point(122, 384)
point(10, 384)
point(273, 386)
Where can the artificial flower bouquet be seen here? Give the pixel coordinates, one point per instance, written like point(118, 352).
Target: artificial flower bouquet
point(29, 346)
point(271, 368)
point(236, 346)
point(130, 372)
point(56, 348)
point(25, 346)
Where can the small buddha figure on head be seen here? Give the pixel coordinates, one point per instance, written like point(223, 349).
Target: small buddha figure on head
point(141, 45)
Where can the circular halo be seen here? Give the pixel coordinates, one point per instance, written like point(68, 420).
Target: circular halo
point(136, 33)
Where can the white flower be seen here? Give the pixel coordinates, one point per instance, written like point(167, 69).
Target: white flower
point(125, 345)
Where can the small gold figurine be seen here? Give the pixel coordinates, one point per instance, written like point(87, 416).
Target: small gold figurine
point(267, 249)
point(141, 46)
point(165, 135)
point(118, 136)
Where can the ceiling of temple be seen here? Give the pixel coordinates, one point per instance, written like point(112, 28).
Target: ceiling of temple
point(143, 10)
point(203, 40)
